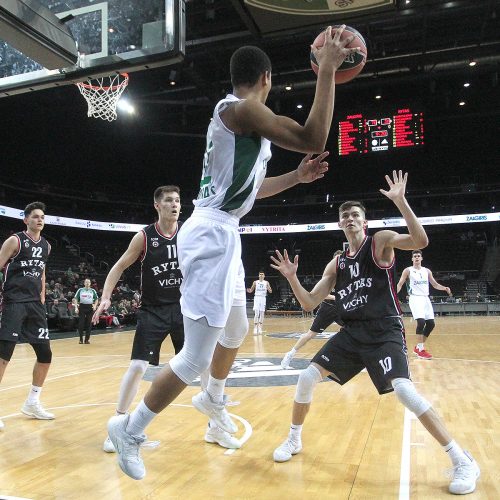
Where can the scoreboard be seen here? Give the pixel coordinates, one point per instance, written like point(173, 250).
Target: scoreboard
point(369, 132)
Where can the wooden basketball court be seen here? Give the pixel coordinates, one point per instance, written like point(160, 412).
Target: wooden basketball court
point(357, 445)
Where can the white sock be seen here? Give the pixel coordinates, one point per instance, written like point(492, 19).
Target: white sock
point(456, 454)
point(215, 388)
point(34, 395)
point(293, 351)
point(295, 433)
point(139, 419)
point(420, 346)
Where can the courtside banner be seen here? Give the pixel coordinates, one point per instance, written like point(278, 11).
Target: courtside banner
point(54, 220)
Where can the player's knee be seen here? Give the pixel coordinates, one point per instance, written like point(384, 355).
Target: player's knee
point(138, 367)
point(6, 350)
point(420, 326)
point(409, 397)
point(188, 367)
point(43, 352)
point(308, 379)
point(236, 329)
point(429, 326)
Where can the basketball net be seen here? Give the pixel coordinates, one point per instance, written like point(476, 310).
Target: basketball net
point(102, 95)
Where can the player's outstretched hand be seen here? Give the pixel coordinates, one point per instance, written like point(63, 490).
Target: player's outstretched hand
point(448, 291)
point(334, 50)
point(105, 303)
point(312, 169)
point(283, 264)
point(397, 186)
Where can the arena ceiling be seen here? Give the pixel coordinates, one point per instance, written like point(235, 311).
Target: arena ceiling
point(419, 52)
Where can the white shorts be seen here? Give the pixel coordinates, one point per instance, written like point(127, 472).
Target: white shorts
point(421, 307)
point(259, 303)
point(209, 249)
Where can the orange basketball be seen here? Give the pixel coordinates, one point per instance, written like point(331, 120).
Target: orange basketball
point(353, 63)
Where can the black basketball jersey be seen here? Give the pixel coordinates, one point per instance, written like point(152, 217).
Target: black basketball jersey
point(23, 273)
point(365, 290)
point(160, 273)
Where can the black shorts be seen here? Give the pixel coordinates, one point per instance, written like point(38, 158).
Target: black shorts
point(326, 315)
point(385, 356)
point(25, 321)
point(154, 323)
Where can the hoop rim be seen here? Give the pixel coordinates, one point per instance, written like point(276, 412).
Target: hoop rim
point(89, 86)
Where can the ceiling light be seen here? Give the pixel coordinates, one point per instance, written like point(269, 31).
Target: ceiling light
point(378, 97)
point(126, 106)
point(172, 82)
point(466, 84)
point(299, 106)
point(407, 2)
point(472, 63)
point(288, 87)
point(461, 103)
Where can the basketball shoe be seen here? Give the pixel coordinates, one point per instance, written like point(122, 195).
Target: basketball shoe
point(36, 410)
point(215, 434)
point(286, 450)
point(464, 476)
point(128, 447)
point(204, 403)
point(285, 362)
point(422, 354)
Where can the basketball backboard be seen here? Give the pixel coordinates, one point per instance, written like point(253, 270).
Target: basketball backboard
point(112, 36)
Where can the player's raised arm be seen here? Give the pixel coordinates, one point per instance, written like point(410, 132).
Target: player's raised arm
point(308, 300)
point(416, 237)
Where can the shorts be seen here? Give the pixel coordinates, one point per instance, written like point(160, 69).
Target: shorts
point(344, 355)
point(326, 315)
point(259, 303)
point(421, 307)
point(25, 321)
point(209, 249)
point(154, 324)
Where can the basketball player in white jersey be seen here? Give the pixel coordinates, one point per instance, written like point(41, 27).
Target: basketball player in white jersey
point(418, 279)
point(262, 288)
point(213, 297)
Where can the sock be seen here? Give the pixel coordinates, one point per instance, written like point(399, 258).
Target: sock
point(215, 388)
point(420, 346)
point(34, 395)
point(456, 454)
point(295, 433)
point(139, 419)
point(293, 351)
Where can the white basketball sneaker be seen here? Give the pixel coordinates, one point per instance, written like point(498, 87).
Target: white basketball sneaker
point(204, 403)
point(286, 450)
point(108, 446)
point(255, 330)
point(128, 447)
point(36, 410)
point(215, 434)
point(464, 476)
point(259, 330)
point(285, 362)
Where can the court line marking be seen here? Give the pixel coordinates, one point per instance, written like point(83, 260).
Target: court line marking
point(243, 440)
point(404, 477)
point(5, 497)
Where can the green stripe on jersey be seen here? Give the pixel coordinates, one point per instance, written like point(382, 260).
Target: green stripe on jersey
point(246, 152)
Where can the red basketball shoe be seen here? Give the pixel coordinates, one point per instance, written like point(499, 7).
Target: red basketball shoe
point(424, 354)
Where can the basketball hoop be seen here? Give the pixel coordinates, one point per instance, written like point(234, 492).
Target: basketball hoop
point(102, 95)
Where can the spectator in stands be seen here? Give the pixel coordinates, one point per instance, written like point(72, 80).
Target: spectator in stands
point(479, 297)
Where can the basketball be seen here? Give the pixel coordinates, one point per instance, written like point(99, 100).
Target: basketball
point(353, 63)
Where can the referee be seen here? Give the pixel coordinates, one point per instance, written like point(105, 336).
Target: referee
point(86, 298)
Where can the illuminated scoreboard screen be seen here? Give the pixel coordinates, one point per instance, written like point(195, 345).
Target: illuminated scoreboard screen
point(370, 132)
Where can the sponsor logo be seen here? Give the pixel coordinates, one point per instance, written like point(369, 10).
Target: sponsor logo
point(315, 227)
point(245, 230)
point(474, 218)
point(155, 244)
point(392, 222)
point(273, 229)
point(256, 372)
point(2, 211)
point(21, 214)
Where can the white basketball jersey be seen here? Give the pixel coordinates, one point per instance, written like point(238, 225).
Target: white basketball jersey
point(418, 281)
point(261, 288)
point(234, 166)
